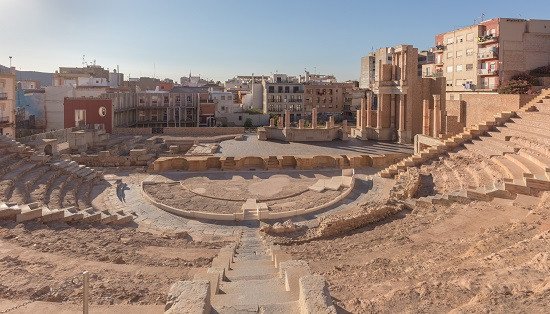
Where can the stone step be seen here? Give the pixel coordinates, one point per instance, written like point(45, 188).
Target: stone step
point(251, 273)
point(529, 168)
point(283, 307)
point(253, 287)
point(251, 299)
point(511, 169)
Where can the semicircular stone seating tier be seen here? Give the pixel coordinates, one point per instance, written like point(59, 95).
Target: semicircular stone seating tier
point(501, 158)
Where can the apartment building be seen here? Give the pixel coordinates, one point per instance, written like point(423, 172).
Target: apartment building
point(282, 93)
point(90, 75)
point(7, 102)
point(328, 98)
point(483, 56)
point(177, 108)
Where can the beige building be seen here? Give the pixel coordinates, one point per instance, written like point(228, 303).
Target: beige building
point(7, 102)
point(328, 98)
point(400, 103)
point(284, 93)
point(483, 56)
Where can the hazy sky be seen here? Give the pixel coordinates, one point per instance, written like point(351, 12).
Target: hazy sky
point(220, 39)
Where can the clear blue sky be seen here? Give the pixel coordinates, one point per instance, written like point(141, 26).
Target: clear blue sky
point(220, 39)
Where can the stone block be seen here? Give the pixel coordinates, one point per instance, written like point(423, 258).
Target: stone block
point(291, 271)
point(315, 295)
point(189, 297)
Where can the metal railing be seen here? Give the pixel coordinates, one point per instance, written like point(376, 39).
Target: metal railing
point(487, 71)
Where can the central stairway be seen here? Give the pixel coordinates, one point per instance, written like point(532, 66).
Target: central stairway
point(252, 277)
point(253, 284)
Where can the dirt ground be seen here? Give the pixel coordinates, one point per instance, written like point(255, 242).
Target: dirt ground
point(481, 257)
point(126, 266)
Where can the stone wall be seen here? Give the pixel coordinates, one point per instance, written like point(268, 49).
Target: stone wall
point(302, 135)
point(138, 157)
point(60, 135)
point(483, 107)
point(203, 131)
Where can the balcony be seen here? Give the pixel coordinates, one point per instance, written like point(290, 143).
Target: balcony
point(488, 54)
point(487, 39)
point(491, 87)
point(435, 74)
point(3, 96)
point(438, 48)
point(487, 72)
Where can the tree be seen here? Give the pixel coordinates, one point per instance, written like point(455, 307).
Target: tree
point(248, 123)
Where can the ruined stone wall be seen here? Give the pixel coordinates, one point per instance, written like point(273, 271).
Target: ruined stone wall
point(60, 135)
point(336, 225)
point(292, 162)
point(406, 184)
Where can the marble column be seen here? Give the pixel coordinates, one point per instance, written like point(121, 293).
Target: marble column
point(271, 122)
point(280, 122)
point(368, 110)
point(437, 115)
point(363, 114)
point(392, 111)
point(426, 117)
point(402, 117)
point(330, 123)
point(301, 124)
point(358, 122)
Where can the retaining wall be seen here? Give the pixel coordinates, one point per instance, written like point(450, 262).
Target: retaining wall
point(289, 162)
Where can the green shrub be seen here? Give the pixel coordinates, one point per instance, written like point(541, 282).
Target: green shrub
point(533, 81)
point(515, 87)
point(541, 71)
point(248, 123)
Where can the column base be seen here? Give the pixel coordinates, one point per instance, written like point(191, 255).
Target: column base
point(404, 137)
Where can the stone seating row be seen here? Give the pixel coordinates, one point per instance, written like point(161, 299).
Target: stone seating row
point(474, 132)
point(35, 211)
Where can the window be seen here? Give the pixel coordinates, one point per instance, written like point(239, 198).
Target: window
point(459, 39)
point(165, 99)
point(469, 51)
point(296, 89)
point(459, 82)
point(470, 37)
point(469, 67)
point(271, 89)
point(188, 98)
point(449, 55)
point(240, 118)
point(287, 89)
point(459, 53)
point(450, 40)
point(80, 117)
point(450, 69)
point(449, 83)
point(222, 97)
point(459, 67)
point(280, 89)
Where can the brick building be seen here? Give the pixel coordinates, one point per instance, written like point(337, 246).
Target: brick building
point(79, 112)
point(328, 98)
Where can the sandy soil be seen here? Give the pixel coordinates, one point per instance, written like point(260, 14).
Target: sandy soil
point(480, 257)
point(45, 263)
